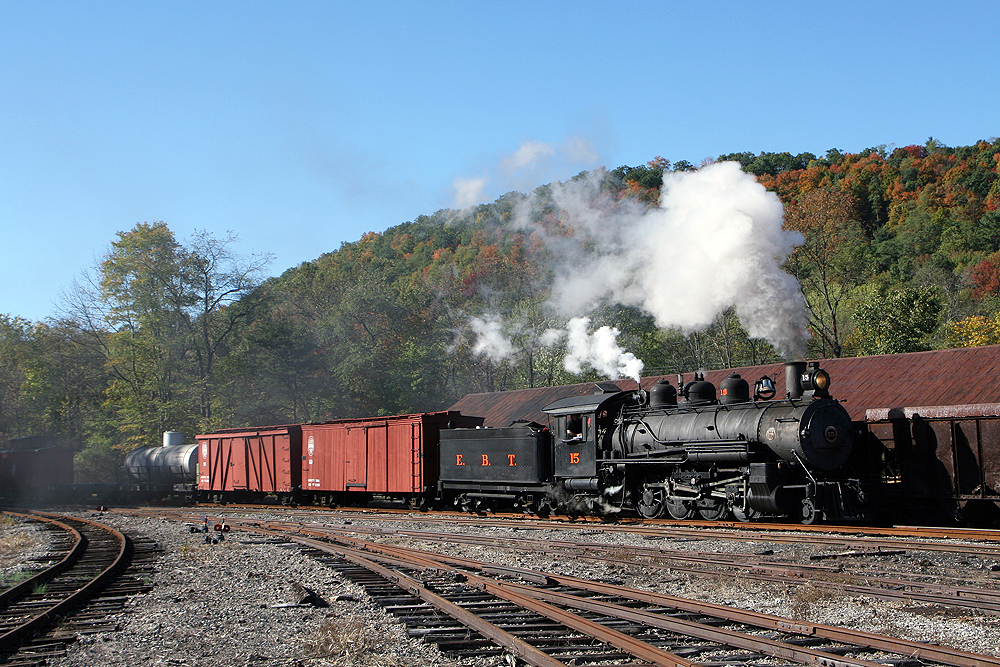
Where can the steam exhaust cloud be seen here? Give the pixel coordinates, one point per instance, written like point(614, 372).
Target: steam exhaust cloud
point(716, 241)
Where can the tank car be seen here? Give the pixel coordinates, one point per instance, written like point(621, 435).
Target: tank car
point(173, 463)
point(669, 452)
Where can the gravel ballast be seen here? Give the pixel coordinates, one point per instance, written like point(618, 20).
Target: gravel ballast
point(232, 603)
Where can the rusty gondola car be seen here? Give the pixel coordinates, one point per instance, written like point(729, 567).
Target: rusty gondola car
point(940, 464)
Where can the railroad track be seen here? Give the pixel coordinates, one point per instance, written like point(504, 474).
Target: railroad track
point(541, 617)
point(85, 583)
point(980, 593)
point(470, 607)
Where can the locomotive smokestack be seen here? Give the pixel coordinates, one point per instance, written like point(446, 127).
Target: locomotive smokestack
point(793, 378)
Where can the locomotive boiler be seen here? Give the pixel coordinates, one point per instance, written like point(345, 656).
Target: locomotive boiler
point(677, 452)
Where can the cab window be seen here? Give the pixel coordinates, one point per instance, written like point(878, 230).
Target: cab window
point(576, 427)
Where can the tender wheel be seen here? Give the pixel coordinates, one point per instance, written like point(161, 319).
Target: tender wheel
point(651, 502)
point(680, 509)
point(712, 509)
point(809, 513)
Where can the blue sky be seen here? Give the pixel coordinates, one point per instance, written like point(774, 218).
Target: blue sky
point(301, 125)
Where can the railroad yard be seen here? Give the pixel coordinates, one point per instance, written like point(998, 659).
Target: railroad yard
point(300, 587)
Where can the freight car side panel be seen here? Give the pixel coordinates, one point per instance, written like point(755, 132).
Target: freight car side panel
point(356, 460)
point(391, 455)
point(495, 455)
point(211, 472)
point(404, 458)
point(262, 461)
point(990, 459)
point(942, 457)
point(376, 459)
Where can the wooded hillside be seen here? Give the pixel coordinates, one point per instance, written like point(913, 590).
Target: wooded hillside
point(901, 252)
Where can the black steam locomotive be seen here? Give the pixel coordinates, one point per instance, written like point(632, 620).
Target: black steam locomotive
point(668, 453)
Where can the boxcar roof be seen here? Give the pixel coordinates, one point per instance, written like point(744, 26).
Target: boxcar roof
point(939, 377)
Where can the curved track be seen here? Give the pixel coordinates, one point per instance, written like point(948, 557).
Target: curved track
point(89, 557)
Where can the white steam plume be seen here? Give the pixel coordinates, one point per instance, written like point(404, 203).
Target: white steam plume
point(468, 191)
point(599, 351)
point(715, 241)
point(490, 338)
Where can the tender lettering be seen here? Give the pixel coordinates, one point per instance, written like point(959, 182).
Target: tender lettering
point(458, 460)
point(486, 459)
point(510, 457)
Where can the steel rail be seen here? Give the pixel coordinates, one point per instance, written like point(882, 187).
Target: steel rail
point(632, 523)
point(78, 546)
point(981, 599)
point(861, 640)
point(771, 647)
point(911, 649)
point(516, 646)
point(18, 634)
point(846, 536)
point(948, 656)
point(636, 647)
point(729, 531)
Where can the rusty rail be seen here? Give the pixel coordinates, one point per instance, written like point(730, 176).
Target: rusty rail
point(548, 603)
point(78, 557)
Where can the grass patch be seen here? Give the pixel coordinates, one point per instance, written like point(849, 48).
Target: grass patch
point(350, 639)
point(805, 597)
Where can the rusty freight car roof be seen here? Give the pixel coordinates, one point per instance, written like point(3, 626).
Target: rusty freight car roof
point(939, 377)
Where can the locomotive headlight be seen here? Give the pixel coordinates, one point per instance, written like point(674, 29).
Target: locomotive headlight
point(821, 380)
point(816, 379)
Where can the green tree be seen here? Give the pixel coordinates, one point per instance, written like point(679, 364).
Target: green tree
point(830, 264)
point(892, 321)
point(159, 312)
point(14, 345)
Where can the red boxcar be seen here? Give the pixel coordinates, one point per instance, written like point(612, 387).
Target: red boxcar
point(353, 460)
point(249, 462)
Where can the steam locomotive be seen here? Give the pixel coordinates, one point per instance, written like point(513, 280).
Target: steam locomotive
point(685, 451)
point(672, 452)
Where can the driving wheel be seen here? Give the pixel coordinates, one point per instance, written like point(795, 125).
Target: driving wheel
point(650, 503)
point(712, 509)
point(680, 509)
